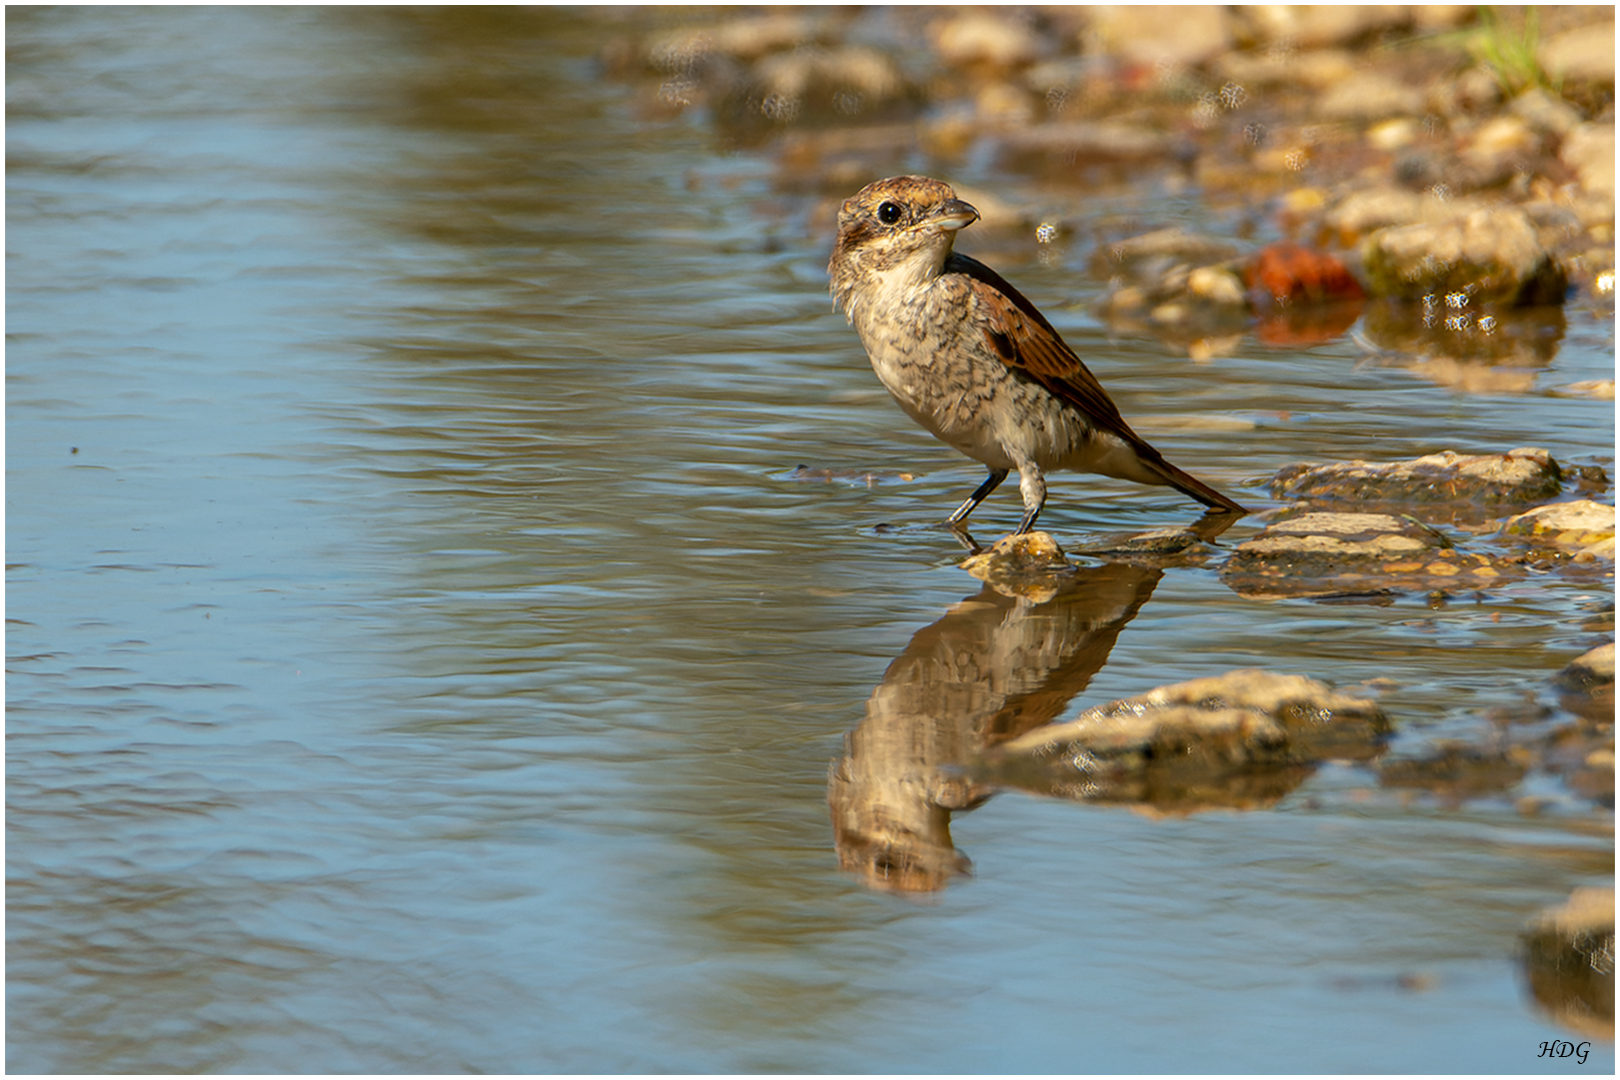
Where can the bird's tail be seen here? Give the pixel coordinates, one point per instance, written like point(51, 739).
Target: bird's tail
point(1188, 484)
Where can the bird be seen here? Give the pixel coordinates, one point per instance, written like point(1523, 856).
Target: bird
point(972, 361)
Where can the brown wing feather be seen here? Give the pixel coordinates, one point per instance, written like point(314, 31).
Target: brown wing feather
point(1023, 339)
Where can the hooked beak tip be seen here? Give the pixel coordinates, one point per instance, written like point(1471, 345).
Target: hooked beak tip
point(954, 214)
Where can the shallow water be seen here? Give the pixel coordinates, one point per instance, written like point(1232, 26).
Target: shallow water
point(422, 656)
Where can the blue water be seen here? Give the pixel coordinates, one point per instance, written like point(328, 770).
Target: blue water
point(421, 659)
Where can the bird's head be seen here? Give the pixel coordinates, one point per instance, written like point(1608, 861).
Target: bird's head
point(904, 223)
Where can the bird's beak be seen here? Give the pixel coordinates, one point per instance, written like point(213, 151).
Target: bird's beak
point(954, 214)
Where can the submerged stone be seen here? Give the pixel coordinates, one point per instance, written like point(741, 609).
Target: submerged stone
point(1240, 739)
point(1455, 772)
point(1327, 554)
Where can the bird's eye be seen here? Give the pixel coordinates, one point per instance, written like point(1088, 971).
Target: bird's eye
point(889, 213)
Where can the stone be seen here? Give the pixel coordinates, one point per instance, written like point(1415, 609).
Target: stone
point(1217, 285)
point(1586, 688)
point(1488, 255)
point(1545, 112)
point(1588, 151)
point(1158, 36)
point(1583, 527)
point(1455, 772)
point(1176, 243)
point(1239, 739)
point(1370, 95)
point(1592, 668)
point(1500, 135)
point(1440, 16)
point(1393, 134)
point(1583, 54)
point(1312, 25)
point(1568, 956)
point(852, 69)
point(1171, 540)
point(1326, 555)
point(1028, 565)
point(1366, 210)
point(982, 37)
point(1071, 148)
point(1519, 476)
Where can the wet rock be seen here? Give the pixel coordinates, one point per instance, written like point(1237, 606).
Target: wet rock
point(835, 83)
point(1472, 92)
point(1568, 955)
point(1311, 25)
point(1366, 210)
point(1157, 276)
point(1500, 136)
point(974, 38)
point(1217, 285)
point(1029, 565)
point(1238, 739)
point(1289, 273)
point(1167, 541)
point(1585, 528)
point(1315, 69)
point(1003, 104)
point(1154, 35)
point(1455, 772)
point(1521, 476)
point(1487, 255)
point(1545, 112)
point(1370, 95)
point(1176, 244)
point(837, 161)
point(1073, 149)
point(1393, 134)
point(1582, 753)
point(1591, 673)
point(1440, 16)
point(1325, 555)
point(1588, 151)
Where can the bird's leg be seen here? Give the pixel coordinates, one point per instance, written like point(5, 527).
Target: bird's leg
point(990, 484)
point(1033, 487)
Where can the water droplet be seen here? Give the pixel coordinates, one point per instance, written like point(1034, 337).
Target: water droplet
point(780, 107)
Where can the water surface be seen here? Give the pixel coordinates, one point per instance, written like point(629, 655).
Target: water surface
point(422, 657)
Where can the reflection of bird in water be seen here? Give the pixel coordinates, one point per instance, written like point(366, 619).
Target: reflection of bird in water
point(991, 669)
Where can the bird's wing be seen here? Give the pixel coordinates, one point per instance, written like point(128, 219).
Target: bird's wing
point(1022, 337)
point(1024, 340)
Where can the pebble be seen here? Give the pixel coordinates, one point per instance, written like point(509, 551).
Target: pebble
point(1583, 527)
